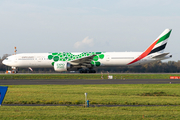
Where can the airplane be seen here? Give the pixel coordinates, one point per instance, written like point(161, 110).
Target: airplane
point(86, 61)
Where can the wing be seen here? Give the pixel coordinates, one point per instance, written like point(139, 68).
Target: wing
point(84, 60)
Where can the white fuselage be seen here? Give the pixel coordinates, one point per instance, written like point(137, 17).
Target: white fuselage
point(40, 60)
point(35, 60)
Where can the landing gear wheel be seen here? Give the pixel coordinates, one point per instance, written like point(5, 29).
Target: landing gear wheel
point(92, 71)
point(87, 71)
point(81, 71)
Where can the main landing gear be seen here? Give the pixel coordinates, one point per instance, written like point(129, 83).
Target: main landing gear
point(87, 71)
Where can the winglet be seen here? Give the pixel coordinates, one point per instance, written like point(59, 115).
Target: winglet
point(3, 90)
point(157, 46)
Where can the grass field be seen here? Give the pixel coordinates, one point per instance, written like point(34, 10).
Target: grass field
point(120, 94)
point(91, 113)
point(85, 76)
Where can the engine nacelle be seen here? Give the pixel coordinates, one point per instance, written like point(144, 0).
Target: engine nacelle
point(62, 66)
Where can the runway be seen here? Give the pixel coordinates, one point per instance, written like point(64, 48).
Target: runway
point(85, 81)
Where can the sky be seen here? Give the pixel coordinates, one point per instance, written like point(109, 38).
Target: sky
point(38, 26)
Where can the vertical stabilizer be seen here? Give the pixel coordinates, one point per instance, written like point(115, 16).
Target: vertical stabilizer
point(3, 90)
point(157, 46)
point(161, 41)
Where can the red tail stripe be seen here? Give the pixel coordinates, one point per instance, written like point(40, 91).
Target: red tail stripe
point(144, 54)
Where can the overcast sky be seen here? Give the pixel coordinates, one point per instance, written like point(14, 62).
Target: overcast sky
point(87, 25)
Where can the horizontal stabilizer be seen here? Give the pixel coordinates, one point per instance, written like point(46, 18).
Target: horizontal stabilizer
point(160, 55)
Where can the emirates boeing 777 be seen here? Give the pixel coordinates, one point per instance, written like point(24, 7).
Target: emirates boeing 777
point(86, 61)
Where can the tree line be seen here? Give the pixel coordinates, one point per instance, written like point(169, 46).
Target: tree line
point(155, 67)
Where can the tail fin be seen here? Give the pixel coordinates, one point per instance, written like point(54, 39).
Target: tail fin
point(157, 46)
point(160, 43)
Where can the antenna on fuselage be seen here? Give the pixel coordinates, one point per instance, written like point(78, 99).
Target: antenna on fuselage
point(15, 50)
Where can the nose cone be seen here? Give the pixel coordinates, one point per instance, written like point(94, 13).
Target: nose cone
point(4, 62)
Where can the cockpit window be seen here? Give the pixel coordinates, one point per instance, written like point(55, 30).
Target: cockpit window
point(6, 59)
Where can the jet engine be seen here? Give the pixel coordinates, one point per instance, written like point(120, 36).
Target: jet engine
point(62, 66)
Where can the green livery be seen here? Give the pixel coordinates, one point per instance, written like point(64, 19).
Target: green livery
point(67, 56)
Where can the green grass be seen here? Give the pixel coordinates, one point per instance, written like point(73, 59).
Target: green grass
point(85, 76)
point(120, 94)
point(91, 113)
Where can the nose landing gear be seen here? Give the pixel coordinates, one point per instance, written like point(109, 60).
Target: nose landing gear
point(13, 70)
